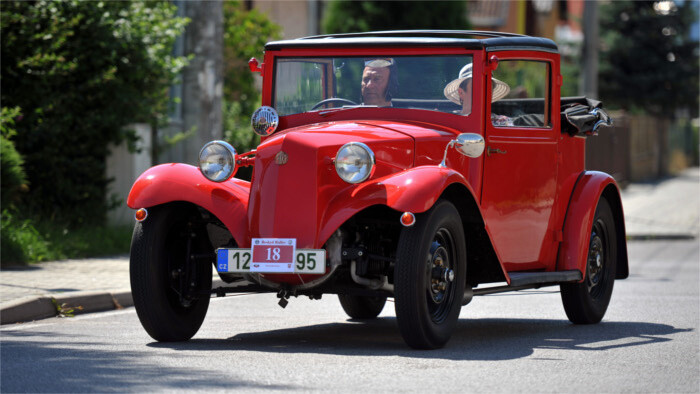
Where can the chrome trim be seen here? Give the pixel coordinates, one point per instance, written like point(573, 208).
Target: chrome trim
point(144, 218)
point(470, 144)
point(264, 121)
point(521, 48)
point(371, 158)
point(231, 151)
point(413, 219)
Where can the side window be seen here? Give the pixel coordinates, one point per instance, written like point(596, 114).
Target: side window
point(521, 94)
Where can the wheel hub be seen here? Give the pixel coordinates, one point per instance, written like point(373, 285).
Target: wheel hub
point(595, 260)
point(440, 273)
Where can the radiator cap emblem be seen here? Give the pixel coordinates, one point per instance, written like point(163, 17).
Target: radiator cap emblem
point(281, 158)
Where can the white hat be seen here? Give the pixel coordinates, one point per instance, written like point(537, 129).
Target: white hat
point(500, 88)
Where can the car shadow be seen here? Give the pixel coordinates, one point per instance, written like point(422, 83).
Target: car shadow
point(473, 339)
point(66, 363)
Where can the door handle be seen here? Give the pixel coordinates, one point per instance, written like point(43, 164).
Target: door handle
point(490, 150)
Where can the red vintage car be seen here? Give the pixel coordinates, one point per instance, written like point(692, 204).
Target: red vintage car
point(427, 166)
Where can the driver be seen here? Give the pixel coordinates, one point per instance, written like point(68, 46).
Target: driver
point(379, 81)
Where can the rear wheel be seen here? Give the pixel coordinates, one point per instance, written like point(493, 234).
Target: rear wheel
point(362, 307)
point(170, 289)
point(586, 302)
point(429, 277)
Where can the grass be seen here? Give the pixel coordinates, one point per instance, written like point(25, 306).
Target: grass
point(25, 241)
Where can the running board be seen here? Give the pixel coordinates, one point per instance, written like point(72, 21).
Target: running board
point(531, 278)
point(524, 281)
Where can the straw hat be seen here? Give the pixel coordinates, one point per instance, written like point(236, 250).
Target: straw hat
point(500, 88)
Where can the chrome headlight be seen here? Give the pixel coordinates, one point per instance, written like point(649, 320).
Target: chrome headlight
point(265, 121)
point(354, 162)
point(217, 161)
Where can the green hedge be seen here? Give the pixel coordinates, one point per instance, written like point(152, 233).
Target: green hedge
point(81, 71)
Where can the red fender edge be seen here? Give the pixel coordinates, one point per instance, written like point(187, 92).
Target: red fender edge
point(590, 187)
point(415, 190)
point(172, 182)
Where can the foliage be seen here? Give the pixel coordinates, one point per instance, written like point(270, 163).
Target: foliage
point(649, 62)
point(346, 16)
point(237, 127)
point(33, 240)
point(570, 67)
point(245, 35)
point(81, 71)
point(527, 79)
point(63, 310)
point(20, 241)
point(13, 180)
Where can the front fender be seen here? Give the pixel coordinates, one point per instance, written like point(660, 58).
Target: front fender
point(165, 183)
point(414, 190)
point(590, 187)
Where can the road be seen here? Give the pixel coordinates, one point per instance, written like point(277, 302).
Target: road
point(521, 342)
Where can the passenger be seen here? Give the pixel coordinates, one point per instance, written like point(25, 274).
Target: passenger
point(379, 82)
point(459, 91)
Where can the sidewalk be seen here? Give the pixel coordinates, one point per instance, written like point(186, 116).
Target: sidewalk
point(666, 209)
point(669, 208)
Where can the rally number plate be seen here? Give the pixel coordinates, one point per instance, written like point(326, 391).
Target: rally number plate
point(306, 261)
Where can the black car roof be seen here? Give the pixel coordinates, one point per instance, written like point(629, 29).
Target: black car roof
point(469, 39)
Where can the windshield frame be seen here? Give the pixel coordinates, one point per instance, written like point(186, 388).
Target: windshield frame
point(472, 121)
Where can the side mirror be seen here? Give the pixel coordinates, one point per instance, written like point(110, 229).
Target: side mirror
point(468, 144)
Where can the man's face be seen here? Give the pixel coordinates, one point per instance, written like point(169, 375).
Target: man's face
point(465, 96)
point(374, 83)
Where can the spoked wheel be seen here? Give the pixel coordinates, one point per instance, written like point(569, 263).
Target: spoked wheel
point(362, 307)
point(586, 302)
point(430, 276)
point(169, 286)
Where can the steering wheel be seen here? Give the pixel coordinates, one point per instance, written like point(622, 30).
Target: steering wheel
point(333, 100)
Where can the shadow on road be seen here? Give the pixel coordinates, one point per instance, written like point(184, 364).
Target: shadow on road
point(474, 339)
point(70, 363)
point(64, 363)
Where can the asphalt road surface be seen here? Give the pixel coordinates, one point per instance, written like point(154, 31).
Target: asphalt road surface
point(521, 342)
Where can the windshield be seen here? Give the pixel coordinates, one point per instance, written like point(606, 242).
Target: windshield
point(437, 83)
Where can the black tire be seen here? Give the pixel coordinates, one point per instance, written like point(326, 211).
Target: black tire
point(586, 302)
point(159, 247)
point(362, 307)
point(427, 314)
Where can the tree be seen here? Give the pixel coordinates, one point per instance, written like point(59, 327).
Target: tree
point(649, 62)
point(245, 35)
point(346, 16)
point(80, 72)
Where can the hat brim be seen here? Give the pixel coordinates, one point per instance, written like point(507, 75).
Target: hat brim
point(500, 89)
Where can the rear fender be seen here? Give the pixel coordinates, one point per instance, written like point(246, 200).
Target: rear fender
point(165, 183)
point(590, 188)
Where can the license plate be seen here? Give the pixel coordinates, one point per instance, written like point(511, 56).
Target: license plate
point(306, 261)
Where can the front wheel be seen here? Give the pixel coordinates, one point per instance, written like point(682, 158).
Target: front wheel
point(586, 302)
point(429, 277)
point(170, 290)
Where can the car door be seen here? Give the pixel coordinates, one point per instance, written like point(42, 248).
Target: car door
point(520, 165)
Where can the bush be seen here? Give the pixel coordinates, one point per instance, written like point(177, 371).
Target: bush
point(30, 241)
point(346, 16)
point(245, 35)
point(21, 242)
point(81, 71)
point(12, 177)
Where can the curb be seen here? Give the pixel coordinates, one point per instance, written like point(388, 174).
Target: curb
point(661, 237)
point(41, 307)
